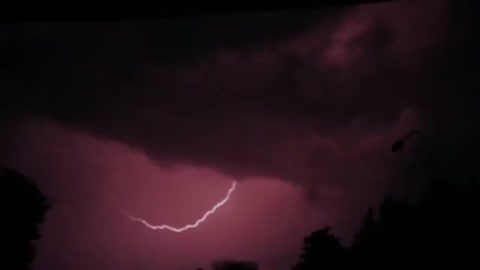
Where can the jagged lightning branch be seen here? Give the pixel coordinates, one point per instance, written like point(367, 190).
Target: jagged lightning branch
point(188, 226)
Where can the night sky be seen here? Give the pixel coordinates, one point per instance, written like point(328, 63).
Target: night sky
point(158, 118)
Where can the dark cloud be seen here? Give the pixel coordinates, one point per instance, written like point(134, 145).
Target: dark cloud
point(227, 91)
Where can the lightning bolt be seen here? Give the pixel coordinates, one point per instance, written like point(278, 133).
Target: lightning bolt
point(188, 226)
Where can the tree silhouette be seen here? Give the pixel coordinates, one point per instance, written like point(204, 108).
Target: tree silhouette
point(321, 250)
point(23, 209)
point(388, 240)
point(440, 229)
point(363, 246)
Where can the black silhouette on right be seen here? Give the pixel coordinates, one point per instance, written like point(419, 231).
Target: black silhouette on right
point(23, 209)
point(442, 228)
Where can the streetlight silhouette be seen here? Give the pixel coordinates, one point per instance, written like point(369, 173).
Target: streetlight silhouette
point(399, 145)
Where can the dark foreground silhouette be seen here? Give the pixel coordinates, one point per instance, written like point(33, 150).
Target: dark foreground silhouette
point(235, 265)
point(23, 209)
point(441, 229)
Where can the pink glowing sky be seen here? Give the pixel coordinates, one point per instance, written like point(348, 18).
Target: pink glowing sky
point(159, 122)
point(98, 176)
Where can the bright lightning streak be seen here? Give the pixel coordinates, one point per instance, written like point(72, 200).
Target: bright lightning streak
point(188, 226)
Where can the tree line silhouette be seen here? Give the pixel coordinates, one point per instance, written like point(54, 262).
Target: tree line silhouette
point(440, 229)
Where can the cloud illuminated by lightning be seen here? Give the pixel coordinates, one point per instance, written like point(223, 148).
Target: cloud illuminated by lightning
point(188, 226)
